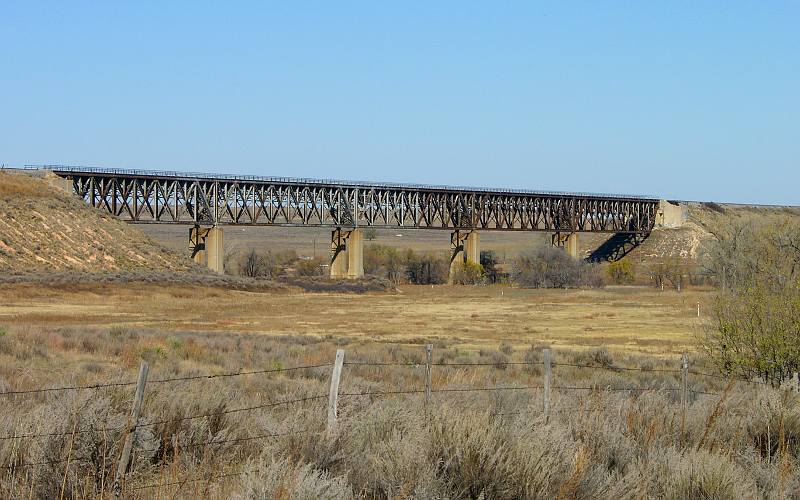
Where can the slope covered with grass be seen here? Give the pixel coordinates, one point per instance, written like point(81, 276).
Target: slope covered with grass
point(44, 228)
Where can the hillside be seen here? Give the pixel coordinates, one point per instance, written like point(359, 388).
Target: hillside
point(688, 242)
point(44, 228)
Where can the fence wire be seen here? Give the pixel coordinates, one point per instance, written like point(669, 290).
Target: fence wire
point(163, 380)
point(528, 410)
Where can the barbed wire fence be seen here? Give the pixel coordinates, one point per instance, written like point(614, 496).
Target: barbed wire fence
point(134, 421)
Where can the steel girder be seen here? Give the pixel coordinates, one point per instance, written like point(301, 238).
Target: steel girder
point(167, 199)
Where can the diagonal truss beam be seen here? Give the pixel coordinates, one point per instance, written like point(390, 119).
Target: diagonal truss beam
point(144, 197)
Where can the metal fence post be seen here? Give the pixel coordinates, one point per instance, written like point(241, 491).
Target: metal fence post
point(125, 457)
point(333, 397)
point(546, 387)
point(428, 362)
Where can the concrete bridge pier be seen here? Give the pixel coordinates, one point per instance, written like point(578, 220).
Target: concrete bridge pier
point(208, 247)
point(347, 253)
point(65, 183)
point(567, 241)
point(464, 247)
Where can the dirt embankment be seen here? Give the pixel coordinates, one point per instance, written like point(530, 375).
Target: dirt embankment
point(43, 228)
point(690, 242)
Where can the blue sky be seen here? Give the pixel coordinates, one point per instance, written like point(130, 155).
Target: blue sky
point(687, 100)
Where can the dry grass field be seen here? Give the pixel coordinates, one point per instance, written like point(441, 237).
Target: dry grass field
point(641, 320)
point(227, 415)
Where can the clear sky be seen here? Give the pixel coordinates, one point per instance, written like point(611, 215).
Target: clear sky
point(687, 100)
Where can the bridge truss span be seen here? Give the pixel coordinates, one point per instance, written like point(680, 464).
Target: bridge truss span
point(153, 197)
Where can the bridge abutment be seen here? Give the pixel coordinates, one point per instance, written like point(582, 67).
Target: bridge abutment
point(671, 214)
point(567, 241)
point(208, 247)
point(347, 253)
point(464, 247)
point(64, 183)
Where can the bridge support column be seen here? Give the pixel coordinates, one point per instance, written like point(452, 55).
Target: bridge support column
point(472, 250)
point(197, 244)
point(215, 250)
point(207, 247)
point(355, 254)
point(464, 247)
point(338, 266)
point(347, 253)
point(567, 241)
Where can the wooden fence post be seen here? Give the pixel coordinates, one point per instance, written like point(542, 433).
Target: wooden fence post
point(333, 397)
point(428, 362)
point(684, 381)
point(546, 388)
point(133, 422)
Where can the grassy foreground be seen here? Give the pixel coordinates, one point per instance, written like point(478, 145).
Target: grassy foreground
point(232, 436)
point(611, 433)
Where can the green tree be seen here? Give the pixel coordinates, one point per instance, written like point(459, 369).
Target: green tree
point(756, 328)
point(370, 233)
point(621, 272)
point(468, 273)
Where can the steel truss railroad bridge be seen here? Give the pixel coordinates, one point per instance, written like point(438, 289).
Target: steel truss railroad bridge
point(207, 202)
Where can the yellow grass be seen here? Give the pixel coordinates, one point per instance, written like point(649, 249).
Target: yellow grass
point(640, 320)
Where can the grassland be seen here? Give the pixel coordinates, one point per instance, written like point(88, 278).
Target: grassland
point(638, 320)
point(617, 428)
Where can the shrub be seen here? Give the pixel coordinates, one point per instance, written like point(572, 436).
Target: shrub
point(498, 359)
point(122, 332)
point(427, 269)
point(383, 447)
point(6, 344)
point(489, 263)
point(471, 456)
point(595, 357)
point(253, 265)
point(714, 207)
point(621, 272)
point(286, 480)
point(469, 273)
point(309, 267)
point(550, 267)
point(370, 233)
point(533, 356)
point(755, 332)
point(690, 474)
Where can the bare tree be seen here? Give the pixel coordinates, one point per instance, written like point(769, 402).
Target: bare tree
point(253, 265)
point(549, 267)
